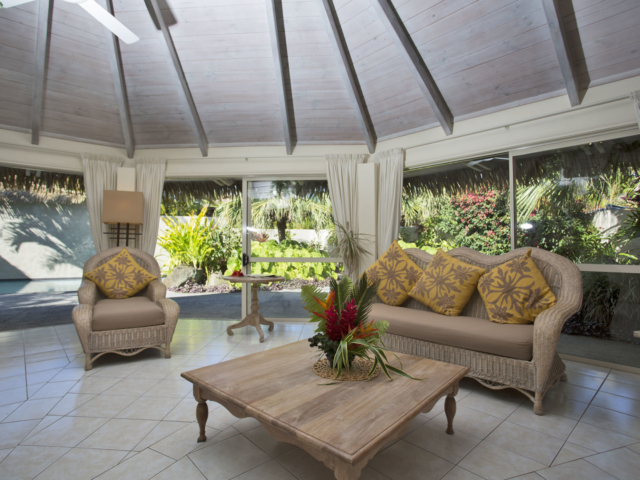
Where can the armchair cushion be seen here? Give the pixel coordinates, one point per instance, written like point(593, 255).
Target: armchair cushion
point(134, 312)
point(121, 277)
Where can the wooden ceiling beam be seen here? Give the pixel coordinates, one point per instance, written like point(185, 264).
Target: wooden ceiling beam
point(395, 28)
point(43, 36)
point(334, 31)
point(115, 61)
point(561, 45)
point(277, 39)
point(194, 117)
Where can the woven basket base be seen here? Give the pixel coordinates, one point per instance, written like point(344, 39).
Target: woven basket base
point(359, 370)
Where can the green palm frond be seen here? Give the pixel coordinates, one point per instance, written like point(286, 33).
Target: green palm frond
point(364, 295)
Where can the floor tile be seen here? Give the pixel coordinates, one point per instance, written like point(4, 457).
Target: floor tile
point(433, 438)
point(182, 442)
point(15, 395)
point(42, 424)
point(614, 421)
point(586, 381)
point(268, 471)
point(141, 467)
point(624, 377)
point(67, 374)
point(549, 423)
point(485, 403)
point(106, 406)
point(617, 403)
point(635, 447)
point(405, 461)
point(183, 470)
point(149, 408)
point(66, 432)
point(564, 406)
point(580, 469)
point(47, 365)
point(571, 452)
point(622, 389)
point(4, 453)
point(246, 424)
point(6, 410)
point(70, 402)
point(82, 464)
point(492, 462)
point(460, 474)
point(598, 439)
point(48, 355)
point(95, 385)
point(32, 409)
point(624, 464)
point(43, 376)
point(54, 389)
point(32, 389)
point(159, 432)
point(8, 383)
point(119, 434)
point(229, 458)
point(572, 392)
point(526, 442)
point(586, 369)
point(304, 467)
point(131, 386)
point(24, 463)
point(170, 388)
point(267, 443)
point(11, 434)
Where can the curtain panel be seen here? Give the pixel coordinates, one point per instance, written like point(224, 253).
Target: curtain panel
point(389, 196)
point(150, 174)
point(100, 174)
point(343, 190)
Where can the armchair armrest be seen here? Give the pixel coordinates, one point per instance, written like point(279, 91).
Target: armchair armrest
point(87, 293)
point(548, 325)
point(156, 290)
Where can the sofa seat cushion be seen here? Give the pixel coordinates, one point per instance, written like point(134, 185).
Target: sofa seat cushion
point(133, 312)
point(477, 334)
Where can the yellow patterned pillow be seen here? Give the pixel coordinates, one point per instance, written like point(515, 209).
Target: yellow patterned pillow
point(397, 275)
point(447, 284)
point(515, 292)
point(120, 277)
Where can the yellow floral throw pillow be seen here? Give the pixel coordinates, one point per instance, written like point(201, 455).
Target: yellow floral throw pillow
point(120, 277)
point(447, 284)
point(397, 275)
point(515, 292)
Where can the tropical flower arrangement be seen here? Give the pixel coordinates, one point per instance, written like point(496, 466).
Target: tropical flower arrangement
point(344, 331)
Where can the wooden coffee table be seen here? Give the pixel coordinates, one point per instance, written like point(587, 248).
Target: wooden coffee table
point(342, 425)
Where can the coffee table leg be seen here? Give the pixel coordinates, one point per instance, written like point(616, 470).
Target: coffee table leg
point(264, 321)
point(202, 413)
point(344, 471)
point(450, 412)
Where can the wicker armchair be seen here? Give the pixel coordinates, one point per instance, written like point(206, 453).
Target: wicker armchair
point(102, 324)
point(532, 377)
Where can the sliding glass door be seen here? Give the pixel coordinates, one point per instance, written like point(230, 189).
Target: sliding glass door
point(287, 224)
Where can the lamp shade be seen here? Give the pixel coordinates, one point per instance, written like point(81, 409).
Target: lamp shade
point(122, 207)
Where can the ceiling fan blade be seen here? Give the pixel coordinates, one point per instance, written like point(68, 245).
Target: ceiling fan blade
point(109, 21)
point(13, 3)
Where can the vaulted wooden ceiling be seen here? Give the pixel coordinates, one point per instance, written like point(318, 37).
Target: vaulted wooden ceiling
point(276, 72)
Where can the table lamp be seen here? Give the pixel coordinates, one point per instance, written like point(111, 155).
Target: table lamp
point(123, 212)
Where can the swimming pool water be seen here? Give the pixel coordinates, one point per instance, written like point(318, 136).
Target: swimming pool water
point(39, 286)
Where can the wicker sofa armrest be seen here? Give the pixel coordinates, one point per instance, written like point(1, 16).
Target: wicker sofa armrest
point(156, 291)
point(87, 293)
point(548, 325)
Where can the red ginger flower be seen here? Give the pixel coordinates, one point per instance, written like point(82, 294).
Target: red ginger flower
point(333, 324)
point(349, 314)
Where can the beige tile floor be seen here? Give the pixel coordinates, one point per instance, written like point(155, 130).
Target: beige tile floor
point(134, 418)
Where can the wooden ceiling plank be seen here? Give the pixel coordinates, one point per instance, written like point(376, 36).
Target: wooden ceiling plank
point(177, 68)
point(43, 36)
point(347, 71)
point(561, 45)
point(395, 28)
point(115, 62)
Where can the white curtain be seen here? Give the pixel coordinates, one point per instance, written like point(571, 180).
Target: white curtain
point(150, 181)
point(389, 196)
point(635, 98)
point(100, 174)
point(343, 189)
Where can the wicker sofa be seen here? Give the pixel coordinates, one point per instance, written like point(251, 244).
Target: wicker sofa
point(126, 326)
point(499, 356)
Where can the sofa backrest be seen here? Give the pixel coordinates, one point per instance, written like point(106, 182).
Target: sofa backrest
point(546, 262)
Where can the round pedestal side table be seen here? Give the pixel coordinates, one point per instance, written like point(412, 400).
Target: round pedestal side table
point(255, 318)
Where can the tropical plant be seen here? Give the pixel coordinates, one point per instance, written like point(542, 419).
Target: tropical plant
point(344, 331)
point(187, 243)
point(348, 246)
